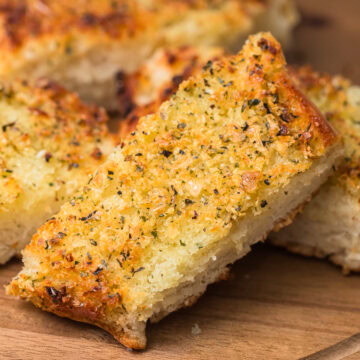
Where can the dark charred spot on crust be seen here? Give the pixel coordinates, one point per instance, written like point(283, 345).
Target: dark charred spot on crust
point(177, 80)
point(69, 257)
point(113, 23)
point(125, 93)
point(13, 16)
point(56, 295)
point(266, 45)
point(257, 69)
point(98, 270)
point(283, 131)
point(48, 156)
point(96, 154)
point(89, 19)
point(171, 57)
point(50, 85)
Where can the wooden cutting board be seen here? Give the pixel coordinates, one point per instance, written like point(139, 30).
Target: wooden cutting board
point(276, 306)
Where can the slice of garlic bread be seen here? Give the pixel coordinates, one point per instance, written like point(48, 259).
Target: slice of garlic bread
point(329, 226)
point(142, 92)
point(231, 155)
point(49, 144)
point(81, 44)
point(314, 233)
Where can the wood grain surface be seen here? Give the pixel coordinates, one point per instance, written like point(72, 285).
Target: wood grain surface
point(275, 306)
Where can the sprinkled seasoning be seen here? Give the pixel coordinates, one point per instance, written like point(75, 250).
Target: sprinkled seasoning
point(98, 270)
point(134, 271)
point(166, 153)
point(84, 218)
point(245, 127)
point(181, 126)
point(172, 209)
point(9, 125)
point(253, 102)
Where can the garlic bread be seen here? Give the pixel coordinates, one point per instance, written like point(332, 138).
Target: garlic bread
point(142, 92)
point(82, 43)
point(49, 144)
point(329, 226)
point(234, 153)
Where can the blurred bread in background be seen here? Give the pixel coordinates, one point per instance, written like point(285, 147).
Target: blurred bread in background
point(329, 226)
point(82, 44)
point(50, 142)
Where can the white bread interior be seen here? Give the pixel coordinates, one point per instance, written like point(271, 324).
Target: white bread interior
point(328, 227)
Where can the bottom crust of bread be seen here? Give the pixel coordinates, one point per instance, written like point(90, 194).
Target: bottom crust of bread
point(339, 259)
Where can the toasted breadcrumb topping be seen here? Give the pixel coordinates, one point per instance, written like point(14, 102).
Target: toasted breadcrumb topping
point(142, 93)
point(43, 29)
point(229, 138)
point(49, 143)
point(339, 100)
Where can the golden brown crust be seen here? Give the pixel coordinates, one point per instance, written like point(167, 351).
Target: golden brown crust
point(41, 122)
point(225, 144)
point(25, 19)
point(41, 29)
point(333, 96)
point(61, 304)
point(177, 63)
point(183, 63)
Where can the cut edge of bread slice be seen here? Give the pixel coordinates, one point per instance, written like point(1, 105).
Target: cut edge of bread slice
point(329, 227)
